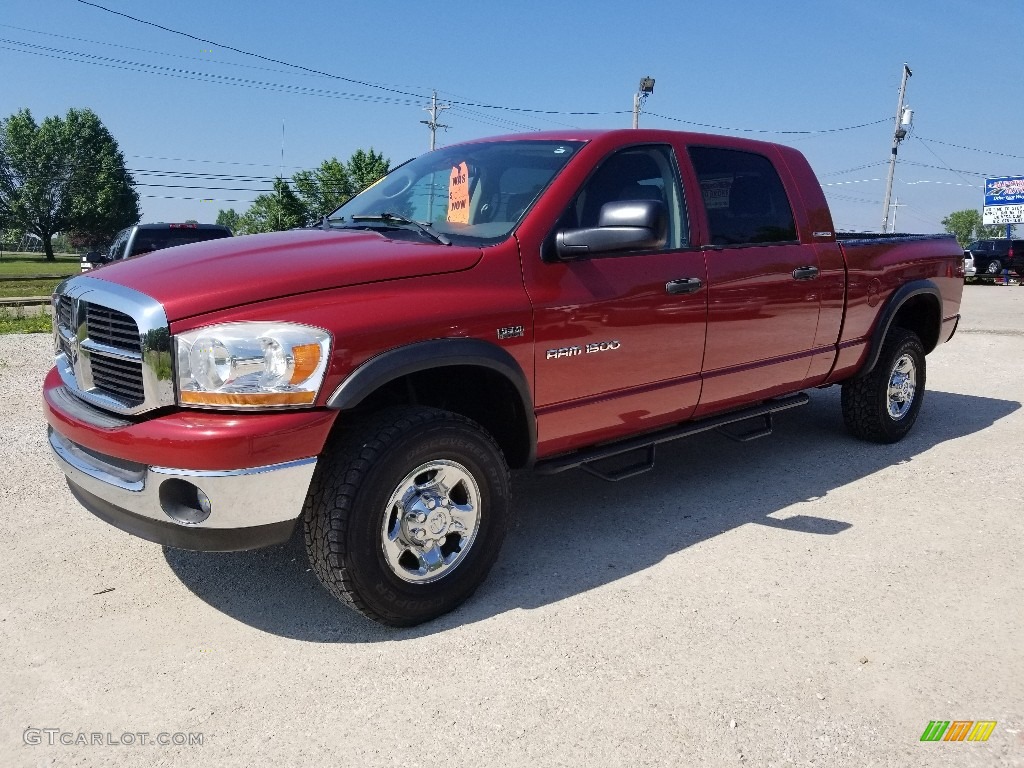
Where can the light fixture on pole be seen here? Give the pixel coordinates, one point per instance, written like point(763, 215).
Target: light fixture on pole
point(903, 121)
point(645, 89)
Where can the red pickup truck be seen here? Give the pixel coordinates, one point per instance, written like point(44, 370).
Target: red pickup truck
point(548, 301)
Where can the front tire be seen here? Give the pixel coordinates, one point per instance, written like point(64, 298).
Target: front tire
point(407, 513)
point(883, 406)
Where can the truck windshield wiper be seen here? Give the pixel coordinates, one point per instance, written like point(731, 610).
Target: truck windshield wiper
point(396, 218)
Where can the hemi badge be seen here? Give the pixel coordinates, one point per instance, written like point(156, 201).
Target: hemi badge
point(511, 332)
point(822, 234)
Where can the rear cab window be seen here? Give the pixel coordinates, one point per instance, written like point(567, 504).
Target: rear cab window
point(148, 240)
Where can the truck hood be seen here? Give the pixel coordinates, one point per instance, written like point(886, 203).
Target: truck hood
point(195, 279)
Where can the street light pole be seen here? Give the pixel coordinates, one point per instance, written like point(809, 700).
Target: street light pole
point(645, 89)
point(898, 135)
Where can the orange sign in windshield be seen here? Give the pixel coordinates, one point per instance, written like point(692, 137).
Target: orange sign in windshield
point(458, 195)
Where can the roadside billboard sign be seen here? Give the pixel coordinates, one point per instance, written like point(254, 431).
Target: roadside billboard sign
point(1004, 200)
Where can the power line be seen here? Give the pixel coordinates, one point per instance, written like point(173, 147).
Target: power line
point(940, 183)
point(758, 130)
point(944, 163)
point(953, 170)
point(331, 75)
point(852, 199)
point(200, 199)
point(842, 183)
point(148, 50)
point(184, 74)
point(855, 168)
point(459, 96)
point(222, 162)
point(246, 53)
point(970, 149)
point(208, 77)
point(467, 113)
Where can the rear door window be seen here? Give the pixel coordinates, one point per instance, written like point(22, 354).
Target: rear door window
point(745, 200)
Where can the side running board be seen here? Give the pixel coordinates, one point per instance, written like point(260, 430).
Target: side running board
point(586, 459)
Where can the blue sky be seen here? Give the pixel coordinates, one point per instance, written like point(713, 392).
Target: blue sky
point(189, 114)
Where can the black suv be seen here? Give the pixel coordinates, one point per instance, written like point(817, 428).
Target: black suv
point(144, 238)
point(993, 255)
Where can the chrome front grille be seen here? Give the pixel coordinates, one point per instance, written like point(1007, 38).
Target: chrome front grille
point(118, 378)
point(112, 346)
point(113, 341)
point(64, 311)
point(113, 328)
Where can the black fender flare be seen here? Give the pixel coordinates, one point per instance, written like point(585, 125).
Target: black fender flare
point(899, 297)
point(426, 355)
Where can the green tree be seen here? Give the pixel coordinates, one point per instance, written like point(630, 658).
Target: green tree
point(364, 168)
point(966, 225)
point(279, 210)
point(316, 193)
point(10, 236)
point(230, 219)
point(64, 175)
point(323, 189)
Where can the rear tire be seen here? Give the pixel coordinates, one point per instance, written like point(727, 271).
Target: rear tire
point(406, 514)
point(883, 406)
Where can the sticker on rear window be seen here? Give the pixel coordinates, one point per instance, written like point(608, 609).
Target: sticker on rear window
point(716, 191)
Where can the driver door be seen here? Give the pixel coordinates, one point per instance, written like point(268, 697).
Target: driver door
point(620, 336)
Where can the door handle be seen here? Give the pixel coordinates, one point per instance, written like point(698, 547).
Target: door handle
point(686, 285)
point(805, 273)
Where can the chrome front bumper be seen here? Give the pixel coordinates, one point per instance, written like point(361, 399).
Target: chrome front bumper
point(221, 510)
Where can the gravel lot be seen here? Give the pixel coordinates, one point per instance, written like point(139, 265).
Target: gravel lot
point(801, 600)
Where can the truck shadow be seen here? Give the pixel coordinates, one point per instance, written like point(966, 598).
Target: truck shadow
point(574, 533)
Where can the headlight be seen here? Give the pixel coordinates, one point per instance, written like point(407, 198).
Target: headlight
point(251, 365)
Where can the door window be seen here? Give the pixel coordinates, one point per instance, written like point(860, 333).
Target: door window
point(744, 197)
point(637, 173)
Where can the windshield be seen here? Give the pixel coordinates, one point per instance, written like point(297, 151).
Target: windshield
point(472, 193)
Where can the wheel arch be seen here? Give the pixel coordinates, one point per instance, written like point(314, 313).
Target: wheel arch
point(917, 307)
point(480, 381)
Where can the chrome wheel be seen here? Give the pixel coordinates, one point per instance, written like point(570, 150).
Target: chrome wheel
point(431, 521)
point(902, 387)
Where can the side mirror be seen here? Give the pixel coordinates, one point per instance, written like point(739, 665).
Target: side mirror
point(625, 225)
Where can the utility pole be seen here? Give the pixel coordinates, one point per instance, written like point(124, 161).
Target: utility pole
point(899, 134)
point(433, 110)
point(645, 89)
point(281, 174)
point(896, 209)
